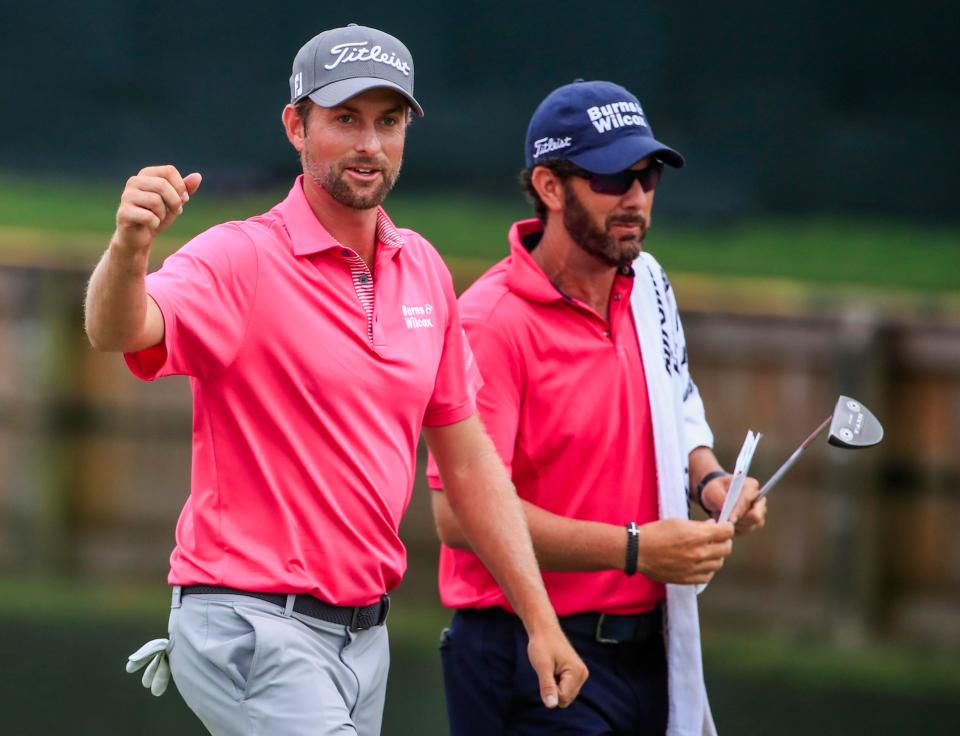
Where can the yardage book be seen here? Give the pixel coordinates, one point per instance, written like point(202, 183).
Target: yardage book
point(736, 485)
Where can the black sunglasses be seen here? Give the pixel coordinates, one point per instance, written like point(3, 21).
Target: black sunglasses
point(619, 183)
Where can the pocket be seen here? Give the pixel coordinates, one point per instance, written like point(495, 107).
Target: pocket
point(230, 645)
point(172, 629)
point(445, 639)
point(247, 663)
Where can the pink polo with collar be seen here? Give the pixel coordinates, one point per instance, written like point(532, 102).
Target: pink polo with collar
point(311, 378)
point(564, 399)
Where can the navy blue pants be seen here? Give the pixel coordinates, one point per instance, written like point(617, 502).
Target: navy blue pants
point(492, 690)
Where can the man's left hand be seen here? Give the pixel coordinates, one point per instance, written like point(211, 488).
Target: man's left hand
point(747, 516)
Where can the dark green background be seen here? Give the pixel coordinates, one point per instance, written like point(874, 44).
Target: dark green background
point(779, 107)
point(63, 673)
point(782, 109)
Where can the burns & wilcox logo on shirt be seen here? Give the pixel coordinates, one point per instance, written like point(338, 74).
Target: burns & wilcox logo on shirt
point(467, 350)
point(347, 53)
point(616, 115)
point(417, 317)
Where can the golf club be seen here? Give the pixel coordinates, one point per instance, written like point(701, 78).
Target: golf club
point(852, 426)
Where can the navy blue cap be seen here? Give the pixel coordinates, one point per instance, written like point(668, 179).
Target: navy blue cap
point(599, 126)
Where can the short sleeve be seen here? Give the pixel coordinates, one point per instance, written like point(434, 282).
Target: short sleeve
point(501, 395)
point(205, 292)
point(455, 390)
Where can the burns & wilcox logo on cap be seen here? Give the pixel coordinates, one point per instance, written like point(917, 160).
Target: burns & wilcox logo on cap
point(338, 64)
point(616, 115)
point(599, 126)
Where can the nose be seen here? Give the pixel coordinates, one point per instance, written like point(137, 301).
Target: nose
point(368, 140)
point(636, 198)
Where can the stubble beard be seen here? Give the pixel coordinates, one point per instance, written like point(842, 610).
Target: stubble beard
point(333, 179)
point(617, 252)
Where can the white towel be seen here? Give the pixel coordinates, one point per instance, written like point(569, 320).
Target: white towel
point(679, 426)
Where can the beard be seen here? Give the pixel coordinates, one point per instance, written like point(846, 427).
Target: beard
point(333, 179)
point(617, 252)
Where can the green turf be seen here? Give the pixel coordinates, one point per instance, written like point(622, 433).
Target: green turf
point(881, 668)
point(75, 221)
point(819, 250)
point(65, 644)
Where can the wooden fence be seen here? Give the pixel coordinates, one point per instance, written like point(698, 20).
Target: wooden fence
point(94, 465)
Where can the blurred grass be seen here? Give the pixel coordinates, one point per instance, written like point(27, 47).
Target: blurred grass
point(70, 640)
point(881, 668)
point(46, 220)
point(893, 668)
point(65, 644)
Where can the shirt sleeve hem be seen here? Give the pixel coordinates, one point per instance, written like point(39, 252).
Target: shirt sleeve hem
point(693, 440)
point(443, 417)
point(153, 362)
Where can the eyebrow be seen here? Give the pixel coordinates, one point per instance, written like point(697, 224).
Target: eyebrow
point(393, 110)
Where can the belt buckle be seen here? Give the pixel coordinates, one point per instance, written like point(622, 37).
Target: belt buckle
point(381, 616)
point(354, 619)
point(598, 634)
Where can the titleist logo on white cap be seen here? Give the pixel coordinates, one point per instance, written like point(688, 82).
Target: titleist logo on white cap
point(346, 53)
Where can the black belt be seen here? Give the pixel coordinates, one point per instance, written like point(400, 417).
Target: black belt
point(608, 628)
point(605, 628)
point(357, 618)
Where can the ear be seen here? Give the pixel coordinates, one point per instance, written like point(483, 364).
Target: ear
point(549, 186)
point(294, 127)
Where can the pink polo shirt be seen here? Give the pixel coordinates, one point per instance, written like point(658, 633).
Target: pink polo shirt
point(564, 399)
point(309, 392)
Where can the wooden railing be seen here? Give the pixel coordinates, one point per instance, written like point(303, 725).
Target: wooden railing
point(94, 465)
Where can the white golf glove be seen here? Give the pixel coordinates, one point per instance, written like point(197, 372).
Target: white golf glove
point(157, 675)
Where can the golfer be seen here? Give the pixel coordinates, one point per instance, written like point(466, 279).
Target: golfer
point(589, 400)
point(319, 339)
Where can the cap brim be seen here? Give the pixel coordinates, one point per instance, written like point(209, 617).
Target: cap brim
point(335, 93)
point(624, 152)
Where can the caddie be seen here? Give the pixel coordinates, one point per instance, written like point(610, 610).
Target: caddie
point(588, 398)
point(311, 386)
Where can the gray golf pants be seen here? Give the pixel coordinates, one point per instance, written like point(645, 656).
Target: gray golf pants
point(246, 666)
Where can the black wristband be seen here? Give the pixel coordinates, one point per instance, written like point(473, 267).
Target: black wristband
point(703, 484)
point(633, 548)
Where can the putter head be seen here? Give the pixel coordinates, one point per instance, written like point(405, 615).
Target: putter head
point(853, 426)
